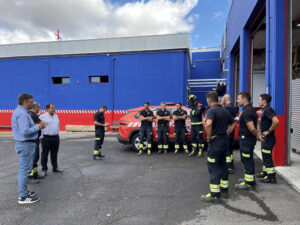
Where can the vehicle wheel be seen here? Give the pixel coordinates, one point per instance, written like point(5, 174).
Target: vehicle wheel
point(135, 142)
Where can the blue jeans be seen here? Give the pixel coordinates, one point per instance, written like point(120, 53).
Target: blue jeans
point(25, 151)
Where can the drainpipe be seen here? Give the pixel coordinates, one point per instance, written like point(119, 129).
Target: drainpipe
point(268, 47)
point(113, 89)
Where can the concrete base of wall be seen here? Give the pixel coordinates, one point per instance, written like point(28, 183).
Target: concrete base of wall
point(80, 128)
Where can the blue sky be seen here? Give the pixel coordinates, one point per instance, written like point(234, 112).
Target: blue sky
point(33, 20)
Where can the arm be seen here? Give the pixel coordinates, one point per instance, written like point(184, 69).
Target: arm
point(251, 128)
point(150, 118)
point(26, 130)
point(208, 126)
point(100, 124)
point(275, 122)
point(167, 118)
point(231, 128)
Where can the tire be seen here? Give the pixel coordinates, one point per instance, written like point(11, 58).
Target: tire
point(136, 141)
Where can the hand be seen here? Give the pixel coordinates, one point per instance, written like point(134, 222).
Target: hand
point(210, 139)
point(42, 125)
point(106, 124)
point(260, 138)
point(264, 134)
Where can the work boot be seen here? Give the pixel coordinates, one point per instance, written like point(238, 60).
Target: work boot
point(176, 151)
point(192, 153)
point(224, 194)
point(209, 198)
point(268, 180)
point(149, 152)
point(159, 151)
point(140, 152)
point(95, 157)
point(230, 171)
point(166, 151)
point(100, 155)
point(261, 175)
point(244, 186)
point(186, 151)
point(200, 153)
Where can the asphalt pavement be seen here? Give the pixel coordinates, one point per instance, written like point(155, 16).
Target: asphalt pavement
point(126, 189)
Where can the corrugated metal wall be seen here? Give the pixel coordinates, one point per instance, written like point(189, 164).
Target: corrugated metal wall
point(295, 113)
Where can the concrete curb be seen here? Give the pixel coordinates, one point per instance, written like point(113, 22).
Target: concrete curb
point(291, 174)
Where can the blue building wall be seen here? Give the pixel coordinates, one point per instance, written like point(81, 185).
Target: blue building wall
point(208, 67)
point(133, 79)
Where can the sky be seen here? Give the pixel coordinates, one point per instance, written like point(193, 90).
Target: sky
point(38, 20)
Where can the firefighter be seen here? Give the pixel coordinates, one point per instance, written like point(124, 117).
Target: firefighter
point(163, 117)
point(180, 116)
point(146, 117)
point(99, 121)
point(219, 124)
point(196, 126)
point(248, 136)
point(268, 124)
point(226, 101)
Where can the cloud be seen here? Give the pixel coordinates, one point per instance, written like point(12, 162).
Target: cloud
point(38, 20)
point(219, 15)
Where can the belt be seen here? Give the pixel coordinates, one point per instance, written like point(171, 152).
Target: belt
point(45, 135)
point(29, 141)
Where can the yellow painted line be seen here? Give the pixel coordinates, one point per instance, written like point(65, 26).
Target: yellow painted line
point(5, 132)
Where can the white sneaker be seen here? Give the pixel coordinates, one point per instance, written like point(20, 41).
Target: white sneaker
point(28, 199)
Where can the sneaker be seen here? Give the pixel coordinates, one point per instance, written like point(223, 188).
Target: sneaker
point(159, 151)
point(28, 199)
point(166, 151)
point(140, 152)
point(30, 194)
point(209, 198)
point(176, 151)
point(186, 151)
point(44, 173)
point(149, 152)
point(244, 186)
point(268, 180)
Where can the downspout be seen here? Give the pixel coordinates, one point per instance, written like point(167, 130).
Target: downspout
point(113, 89)
point(268, 47)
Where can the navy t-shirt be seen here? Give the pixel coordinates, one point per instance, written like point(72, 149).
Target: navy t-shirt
point(266, 118)
point(163, 113)
point(248, 114)
point(180, 123)
point(147, 113)
point(221, 119)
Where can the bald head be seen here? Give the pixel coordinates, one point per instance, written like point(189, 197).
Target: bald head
point(226, 99)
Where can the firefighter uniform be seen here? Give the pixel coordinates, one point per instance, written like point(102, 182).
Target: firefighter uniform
point(216, 152)
point(163, 131)
point(267, 145)
point(229, 156)
point(99, 134)
point(247, 144)
point(197, 128)
point(180, 131)
point(34, 173)
point(146, 131)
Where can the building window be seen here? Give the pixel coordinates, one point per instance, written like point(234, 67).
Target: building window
point(61, 80)
point(98, 79)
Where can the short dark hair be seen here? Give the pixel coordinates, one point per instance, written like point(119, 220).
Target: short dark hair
point(213, 96)
point(266, 97)
point(104, 107)
point(245, 95)
point(163, 103)
point(24, 97)
point(179, 103)
point(146, 103)
point(49, 105)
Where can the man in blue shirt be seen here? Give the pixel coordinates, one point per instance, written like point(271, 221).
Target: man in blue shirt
point(25, 133)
